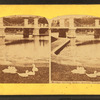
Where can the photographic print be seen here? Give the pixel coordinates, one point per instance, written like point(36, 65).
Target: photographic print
point(24, 49)
point(75, 47)
point(49, 49)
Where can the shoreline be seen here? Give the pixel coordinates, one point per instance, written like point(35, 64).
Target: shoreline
point(23, 65)
point(87, 42)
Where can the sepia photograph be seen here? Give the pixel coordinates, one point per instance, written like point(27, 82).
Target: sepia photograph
point(34, 49)
point(75, 49)
point(24, 49)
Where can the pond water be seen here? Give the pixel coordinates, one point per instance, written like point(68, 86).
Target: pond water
point(37, 49)
point(86, 55)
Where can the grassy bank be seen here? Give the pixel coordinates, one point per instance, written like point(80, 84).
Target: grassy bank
point(42, 76)
point(63, 73)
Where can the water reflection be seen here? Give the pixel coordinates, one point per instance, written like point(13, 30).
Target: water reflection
point(87, 55)
point(37, 49)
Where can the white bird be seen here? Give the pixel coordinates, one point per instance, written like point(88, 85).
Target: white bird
point(33, 65)
point(34, 68)
point(23, 74)
point(31, 73)
point(10, 69)
point(79, 70)
point(92, 75)
point(98, 73)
